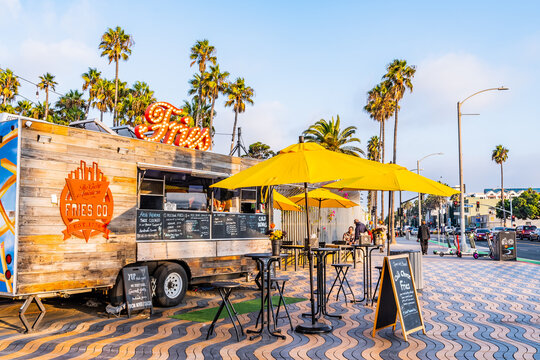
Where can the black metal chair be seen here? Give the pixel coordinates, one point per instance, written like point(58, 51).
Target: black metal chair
point(278, 283)
point(225, 288)
point(341, 280)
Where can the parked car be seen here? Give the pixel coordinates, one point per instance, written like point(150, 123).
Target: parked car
point(535, 234)
point(482, 235)
point(498, 229)
point(524, 231)
point(469, 230)
point(414, 231)
point(449, 230)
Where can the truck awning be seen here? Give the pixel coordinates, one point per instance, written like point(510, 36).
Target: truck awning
point(193, 172)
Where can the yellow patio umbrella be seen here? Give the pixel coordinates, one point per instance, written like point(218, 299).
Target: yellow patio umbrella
point(303, 163)
point(322, 198)
point(282, 203)
point(397, 178)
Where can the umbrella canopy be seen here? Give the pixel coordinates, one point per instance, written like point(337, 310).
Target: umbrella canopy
point(282, 203)
point(323, 198)
point(397, 178)
point(302, 163)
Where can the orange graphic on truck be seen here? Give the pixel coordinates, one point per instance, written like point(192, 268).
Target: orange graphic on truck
point(86, 203)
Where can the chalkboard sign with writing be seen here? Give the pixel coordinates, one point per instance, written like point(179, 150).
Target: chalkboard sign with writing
point(227, 225)
point(397, 297)
point(137, 291)
point(149, 225)
point(186, 225)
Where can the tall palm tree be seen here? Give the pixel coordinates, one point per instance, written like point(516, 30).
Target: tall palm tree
point(380, 106)
point(116, 45)
point(90, 78)
point(202, 52)
point(193, 108)
point(38, 111)
point(238, 95)
point(9, 85)
point(47, 82)
point(400, 75)
point(374, 154)
point(133, 105)
point(500, 155)
point(329, 135)
point(217, 83)
point(24, 108)
point(104, 91)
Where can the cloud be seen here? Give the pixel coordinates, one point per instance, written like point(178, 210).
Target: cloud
point(12, 8)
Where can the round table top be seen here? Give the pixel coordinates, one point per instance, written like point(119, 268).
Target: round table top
point(264, 255)
point(324, 249)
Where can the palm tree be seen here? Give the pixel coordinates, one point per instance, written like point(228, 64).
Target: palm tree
point(374, 154)
point(217, 83)
point(238, 95)
point(202, 52)
point(38, 111)
point(400, 75)
point(330, 136)
point(104, 91)
point(116, 45)
point(9, 86)
point(47, 82)
point(90, 78)
point(133, 105)
point(500, 155)
point(24, 108)
point(199, 87)
point(70, 107)
point(194, 109)
point(380, 106)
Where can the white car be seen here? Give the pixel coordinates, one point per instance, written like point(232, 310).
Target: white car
point(448, 229)
point(414, 231)
point(497, 229)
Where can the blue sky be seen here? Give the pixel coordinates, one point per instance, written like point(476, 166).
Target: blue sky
point(313, 60)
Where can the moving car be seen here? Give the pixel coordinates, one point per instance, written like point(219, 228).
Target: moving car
point(524, 231)
point(449, 229)
point(498, 229)
point(414, 231)
point(482, 235)
point(535, 235)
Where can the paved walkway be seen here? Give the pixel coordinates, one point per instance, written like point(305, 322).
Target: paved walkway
point(472, 309)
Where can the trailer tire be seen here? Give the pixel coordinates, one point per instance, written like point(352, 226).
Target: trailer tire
point(171, 284)
point(116, 294)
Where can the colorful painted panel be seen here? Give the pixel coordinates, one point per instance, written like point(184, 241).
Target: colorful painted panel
point(8, 201)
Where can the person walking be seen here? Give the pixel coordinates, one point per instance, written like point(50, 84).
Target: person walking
point(423, 237)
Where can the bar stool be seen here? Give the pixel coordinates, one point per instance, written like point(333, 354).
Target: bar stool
point(341, 279)
point(225, 289)
point(376, 286)
point(276, 282)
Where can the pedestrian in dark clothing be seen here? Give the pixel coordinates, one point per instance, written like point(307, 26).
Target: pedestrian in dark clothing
point(360, 229)
point(423, 237)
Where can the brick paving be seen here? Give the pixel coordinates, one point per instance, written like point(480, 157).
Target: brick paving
point(473, 309)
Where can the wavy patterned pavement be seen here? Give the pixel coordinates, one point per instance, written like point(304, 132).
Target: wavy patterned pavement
point(473, 309)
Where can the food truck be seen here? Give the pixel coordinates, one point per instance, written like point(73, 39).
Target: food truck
point(79, 203)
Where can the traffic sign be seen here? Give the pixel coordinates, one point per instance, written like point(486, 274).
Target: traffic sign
point(468, 206)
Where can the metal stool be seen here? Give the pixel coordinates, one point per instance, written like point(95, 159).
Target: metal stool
point(275, 281)
point(225, 289)
point(341, 277)
point(376, 286)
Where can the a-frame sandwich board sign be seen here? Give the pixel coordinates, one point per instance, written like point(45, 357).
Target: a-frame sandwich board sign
point(398, 297)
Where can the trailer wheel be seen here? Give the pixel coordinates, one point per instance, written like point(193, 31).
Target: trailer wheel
point(171, 284)
point(116, 294)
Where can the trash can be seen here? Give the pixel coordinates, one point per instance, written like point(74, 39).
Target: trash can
point(415, 258)
point(504, 246)
point(408, 234)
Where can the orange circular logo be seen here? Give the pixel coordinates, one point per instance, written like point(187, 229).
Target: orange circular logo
point(86, 203)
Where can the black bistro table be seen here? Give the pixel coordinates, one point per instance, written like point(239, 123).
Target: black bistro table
point(366, 254)
point(322, 254)
point(264, 264)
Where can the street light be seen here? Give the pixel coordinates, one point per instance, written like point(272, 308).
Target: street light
point(419, 194)
point(463, 243)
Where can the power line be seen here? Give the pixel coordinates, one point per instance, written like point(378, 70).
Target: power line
point(36, 85)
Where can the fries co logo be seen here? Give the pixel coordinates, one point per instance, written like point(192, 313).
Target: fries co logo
point(86, 203)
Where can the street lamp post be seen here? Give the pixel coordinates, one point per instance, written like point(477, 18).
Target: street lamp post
point(419, 194)
point(463, 243)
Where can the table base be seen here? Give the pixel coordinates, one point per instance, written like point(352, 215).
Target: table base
point(316, 328)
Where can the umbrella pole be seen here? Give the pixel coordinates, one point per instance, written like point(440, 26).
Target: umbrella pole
point(314, 327)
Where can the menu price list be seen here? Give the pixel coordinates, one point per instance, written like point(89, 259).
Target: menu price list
point(186, 225)
point(406, 296)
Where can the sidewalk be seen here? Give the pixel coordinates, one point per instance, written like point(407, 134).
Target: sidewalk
point(471, 308)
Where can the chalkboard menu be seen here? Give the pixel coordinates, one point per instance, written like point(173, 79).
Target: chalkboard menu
point(227, 226)
point(185, 225)
point(149, 225)
point(137, 291)
point(397, 297)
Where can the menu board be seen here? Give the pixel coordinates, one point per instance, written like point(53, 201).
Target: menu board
point(227, 225)
point(149, 224)
point(397, 297)
point(137, 291)
point(185, 225)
